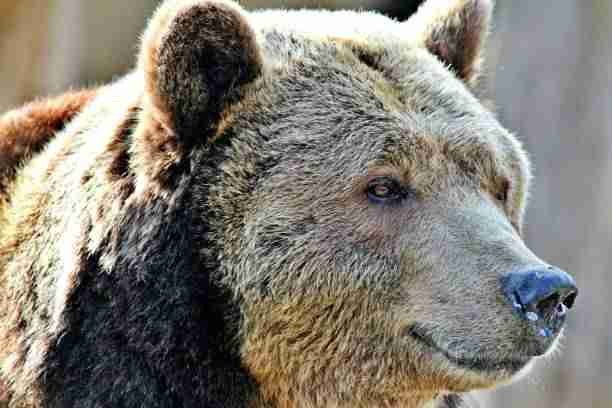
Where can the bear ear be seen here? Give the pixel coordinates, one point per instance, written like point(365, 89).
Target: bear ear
point(455, 31)
point(196, 56)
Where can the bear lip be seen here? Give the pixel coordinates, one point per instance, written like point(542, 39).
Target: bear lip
point(478, 364)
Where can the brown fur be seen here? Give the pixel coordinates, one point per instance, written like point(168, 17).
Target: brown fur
point(224, 40)
point(25, 131)
point(203, 234)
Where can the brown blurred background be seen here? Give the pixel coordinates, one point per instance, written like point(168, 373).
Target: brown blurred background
point(551, 75)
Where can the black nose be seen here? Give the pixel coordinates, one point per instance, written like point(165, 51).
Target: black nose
point(542, 293)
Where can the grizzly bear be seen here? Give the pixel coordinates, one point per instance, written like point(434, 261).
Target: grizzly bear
point(274, 209)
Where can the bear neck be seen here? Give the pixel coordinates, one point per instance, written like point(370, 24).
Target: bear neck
point(315, 399)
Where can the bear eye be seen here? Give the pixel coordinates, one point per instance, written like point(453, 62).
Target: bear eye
point(384, 189)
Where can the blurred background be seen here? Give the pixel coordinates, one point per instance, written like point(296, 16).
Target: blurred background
point(551, 76)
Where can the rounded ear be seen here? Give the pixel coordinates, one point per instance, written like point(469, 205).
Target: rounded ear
point(455, 31)
point(196, 56)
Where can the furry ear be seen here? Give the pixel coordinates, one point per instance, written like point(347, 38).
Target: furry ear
point(196, 56)
point(455, 31)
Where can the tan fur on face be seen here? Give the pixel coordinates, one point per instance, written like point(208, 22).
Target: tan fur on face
point(317, 353)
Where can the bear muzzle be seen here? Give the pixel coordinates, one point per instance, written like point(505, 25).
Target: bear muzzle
point(541, 296)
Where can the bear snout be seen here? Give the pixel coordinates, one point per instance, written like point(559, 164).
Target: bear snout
point(542, 296)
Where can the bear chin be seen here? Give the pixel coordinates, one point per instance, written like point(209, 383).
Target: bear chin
point(474, 372)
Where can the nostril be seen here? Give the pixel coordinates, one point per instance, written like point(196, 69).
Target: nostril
point(548, 305)
point(540, 294)
point(561, 310)
point(570, 300)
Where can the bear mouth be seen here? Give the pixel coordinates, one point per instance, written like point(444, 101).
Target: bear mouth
point(478, 364)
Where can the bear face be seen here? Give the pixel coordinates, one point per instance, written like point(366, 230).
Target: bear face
point(282, 209)
point(353, 112)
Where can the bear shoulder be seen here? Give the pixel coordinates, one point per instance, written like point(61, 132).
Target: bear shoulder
point(27, 130)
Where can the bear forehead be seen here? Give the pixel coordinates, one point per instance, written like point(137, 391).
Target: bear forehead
point(363, 25)
point(421, 96)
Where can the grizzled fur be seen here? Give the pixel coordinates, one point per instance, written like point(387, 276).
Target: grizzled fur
point(201, 233)
point(27, 130)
